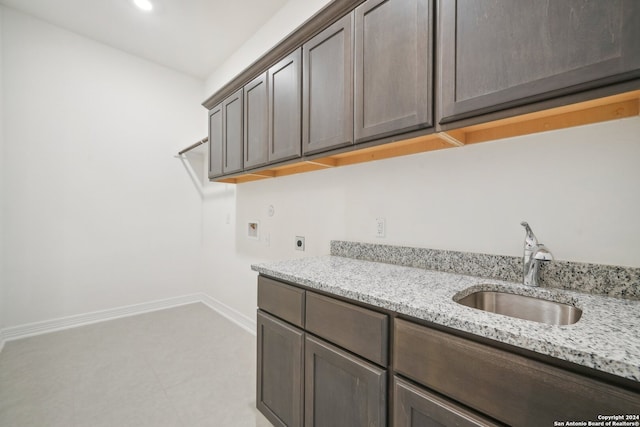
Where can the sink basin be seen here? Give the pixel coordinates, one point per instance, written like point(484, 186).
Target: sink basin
point(523, 307)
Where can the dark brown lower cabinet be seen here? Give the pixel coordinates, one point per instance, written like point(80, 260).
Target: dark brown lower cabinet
point(510, 388)
point(331, 368)
point(280, 367)
point(416, 407)
point(342, 390)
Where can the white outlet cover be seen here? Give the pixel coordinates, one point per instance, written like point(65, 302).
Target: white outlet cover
point(253, 230)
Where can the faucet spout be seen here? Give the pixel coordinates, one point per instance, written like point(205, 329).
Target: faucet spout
point(530, 239)
point(534, 254)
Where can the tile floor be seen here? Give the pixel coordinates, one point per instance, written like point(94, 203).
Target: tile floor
point(185, 366)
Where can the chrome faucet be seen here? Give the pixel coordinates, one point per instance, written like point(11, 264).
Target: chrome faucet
point(534, 254)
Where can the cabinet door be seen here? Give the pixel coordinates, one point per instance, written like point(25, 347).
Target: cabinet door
point(215, 141)
point(499, 54)
point(393, 63)
point(327, 88)
point(232, 133)
point(342, 390)
point(416, 407)
point(285, 83)
point(256, 119)
point(280, 364)
point(507, 387)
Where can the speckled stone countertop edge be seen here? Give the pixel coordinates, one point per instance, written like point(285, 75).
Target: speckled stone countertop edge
point(597, 279)
point(603, 339)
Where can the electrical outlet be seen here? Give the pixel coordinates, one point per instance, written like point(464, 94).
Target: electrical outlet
point(381, 227)
point(253, 231)
point(299, 243)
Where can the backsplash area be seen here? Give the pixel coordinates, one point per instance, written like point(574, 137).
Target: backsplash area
point(610, 280)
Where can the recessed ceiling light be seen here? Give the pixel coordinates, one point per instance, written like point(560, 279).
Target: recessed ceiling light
point(144, 5)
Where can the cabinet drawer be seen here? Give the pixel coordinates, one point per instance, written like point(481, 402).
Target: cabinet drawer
point(362, 331)
point(416, 407)
point(281, 300)
point(508, 387)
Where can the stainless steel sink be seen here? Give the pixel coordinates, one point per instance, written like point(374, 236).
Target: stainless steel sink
point(523, 307)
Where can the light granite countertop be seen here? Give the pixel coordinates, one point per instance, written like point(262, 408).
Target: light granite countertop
point(606, 338)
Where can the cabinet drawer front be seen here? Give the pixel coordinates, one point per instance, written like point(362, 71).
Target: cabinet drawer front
point(416, 407)
point(362, 331)
point(508, 387)
point(281, 300)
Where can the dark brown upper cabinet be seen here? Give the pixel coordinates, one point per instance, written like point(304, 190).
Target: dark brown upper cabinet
point(256, 122)
point(215, 141)
point(393, 67)
point(495, 55)
point(327, 88)
point(225, 136)
point(232, 112)
point(285, 102)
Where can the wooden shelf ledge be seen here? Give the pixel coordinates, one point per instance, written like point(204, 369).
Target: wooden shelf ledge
point(584, 113)
point(588, 112)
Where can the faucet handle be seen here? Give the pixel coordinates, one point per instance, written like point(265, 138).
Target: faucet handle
point(542, 253)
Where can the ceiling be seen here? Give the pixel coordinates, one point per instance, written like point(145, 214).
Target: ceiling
point(191, 36)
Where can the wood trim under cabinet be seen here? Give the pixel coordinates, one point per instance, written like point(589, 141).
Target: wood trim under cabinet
point(613, 107)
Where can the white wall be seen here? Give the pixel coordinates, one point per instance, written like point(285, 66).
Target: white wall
point(97, 211)
point(287, 19)
point(98, 214)
point(578, 188)
point(579, 194)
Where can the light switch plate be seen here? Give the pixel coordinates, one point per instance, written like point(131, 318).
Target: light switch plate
point(381, 227)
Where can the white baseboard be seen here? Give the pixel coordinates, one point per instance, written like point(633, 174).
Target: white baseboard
point(38, 328)
point(246, 323)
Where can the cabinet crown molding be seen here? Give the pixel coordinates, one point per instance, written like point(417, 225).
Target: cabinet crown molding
point(326, 16)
